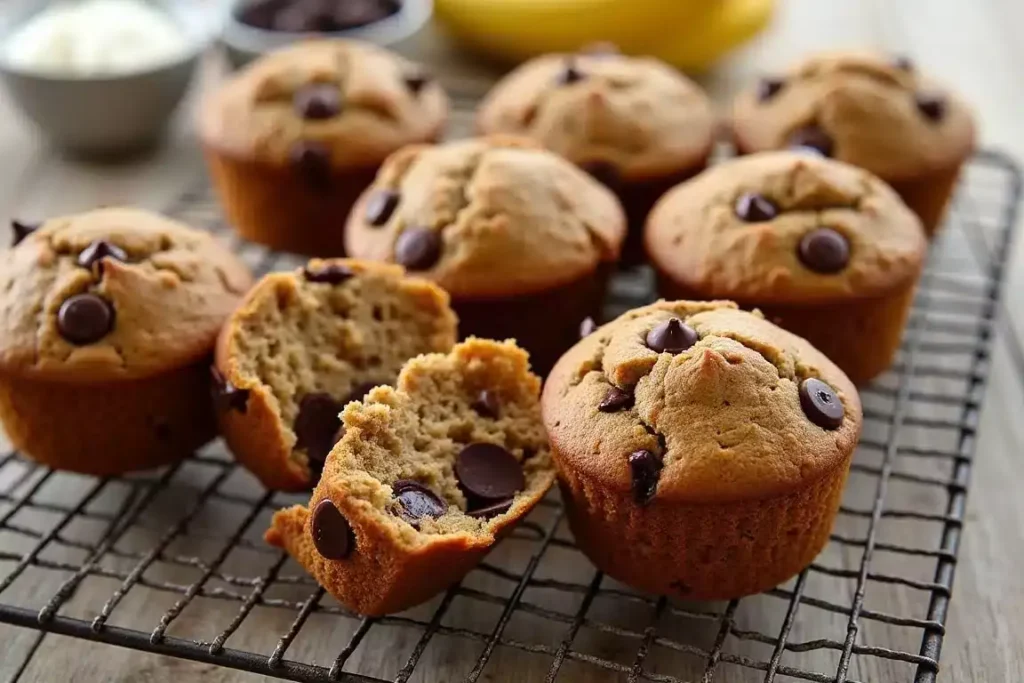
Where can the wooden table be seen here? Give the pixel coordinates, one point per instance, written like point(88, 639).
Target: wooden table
point(977, 46)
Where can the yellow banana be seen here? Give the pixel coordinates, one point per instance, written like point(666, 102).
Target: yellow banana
point(730, 24)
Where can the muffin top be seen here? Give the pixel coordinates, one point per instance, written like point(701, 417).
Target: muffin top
point(699, 402)
point(873, 111)
point(346, 103)
point(113, 294)
point(786, 227)
point(634, 116)
point(486, 217)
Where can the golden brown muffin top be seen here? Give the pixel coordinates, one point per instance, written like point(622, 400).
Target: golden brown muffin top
point(634, 114)
point(113, 294)
point(786, 227)
point(486, 217)
point(353, 102)
point(875, 111)
point(710, 411)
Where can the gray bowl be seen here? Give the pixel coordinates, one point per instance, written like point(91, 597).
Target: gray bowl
point(110, 115)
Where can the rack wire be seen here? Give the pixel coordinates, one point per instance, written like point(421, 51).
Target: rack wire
point(177, 559)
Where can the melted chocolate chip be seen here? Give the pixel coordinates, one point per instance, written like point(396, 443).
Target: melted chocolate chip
point(824, 250)
point(380, 206)
point(332, 535)
point(671, 336)
point(903, 63)
point(486, 404)
point(316, 427)
point(820, 404)
point(768, 87)
point(227, 396)
point(587, 327)
point(932, 107)
point(755, 208)
point(489, 472)
point(312, 161)
point(330, 273)
point(415, 81)
point(615, 400)
point(21, 231)
point(645, 469)
point(416, 501)
point(492, 510)
point(812, 138)
point(92, 256)
point(418, 248)
point(85, 318)
point(317, 101)
point(570, 73)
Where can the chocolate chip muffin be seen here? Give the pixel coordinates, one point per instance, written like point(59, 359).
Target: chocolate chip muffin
point(305, 343)
point(873, 111)
point(519, 237)
point(426, 478)
point(711, 445)
point(634, 123)
point(107, 323)
point(295, 137)
point(826, 250)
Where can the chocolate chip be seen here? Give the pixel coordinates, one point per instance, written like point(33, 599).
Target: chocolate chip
point(92, 256)
point(331, 273)
point(603, 172)
point(316, 427)
point(486, 404)
point(645, 469)
point(380, 206)
point(587, 327)
point(21, 231)
point(312, 161)
point(755, 208)
point(820, 404)
point(488, 471)
point(570, 73)
point(492, 510)
point(671, 336)
point(227, 396)
point(317, 101)
point(332, 535)
point(932, 107)
point(417, 501)
point(418, 248)
point(824, 250)
point(85, 318)
point(415, 81)
point(615, 400)
point(812, 138)
point(903, 63)
point(768, 87)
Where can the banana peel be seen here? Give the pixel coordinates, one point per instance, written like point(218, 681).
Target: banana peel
point(689, 34)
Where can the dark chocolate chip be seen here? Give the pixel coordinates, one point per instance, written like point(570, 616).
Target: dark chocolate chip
point(418, 248)
point(417, 501)
point(755, 208)
point(85, 318)
point(570, 73)
point(824, 250)
point(645, 469)
point(332, 535)
point(932, 107)
point(316, 427)
point(492, 510)
point(486, 404)
point(488, 471)
point(603, 172)
point(21, 231)
point(903, 63)
point(317, 101)
point(812, 138)
point(768, 87)
point(312, 161)
point(92, 256)
point(820, 404)
point(587, 327)
point(331, 273)
point(415, 81)
point(615, 400)
point(671, 336)
point(227, 396)
point(380, 206)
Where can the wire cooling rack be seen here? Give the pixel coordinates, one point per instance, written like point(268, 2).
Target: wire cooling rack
point(172, 562)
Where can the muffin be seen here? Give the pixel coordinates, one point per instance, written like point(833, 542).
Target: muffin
point(305, 343)
point(519, 237)
point(711, 445)
point(294, 138)
point(824, 249)
point(634, 123)
point(425, 480)
point(107, 323)
point(869, 110)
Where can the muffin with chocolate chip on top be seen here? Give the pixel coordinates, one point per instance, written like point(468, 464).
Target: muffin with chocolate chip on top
point(826, 250)
point(634, 123)
point(107, 324)
point(426, 478)
point(521, 239)
point(294, 138)
point(711, 445)
point(303, 344)
point(874, 111)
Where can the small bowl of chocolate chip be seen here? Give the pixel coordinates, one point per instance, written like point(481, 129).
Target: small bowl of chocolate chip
point(254, 27)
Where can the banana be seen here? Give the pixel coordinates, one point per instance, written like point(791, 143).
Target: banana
point(732, 23)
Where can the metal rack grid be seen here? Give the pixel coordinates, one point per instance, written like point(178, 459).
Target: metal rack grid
point(177, 554)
